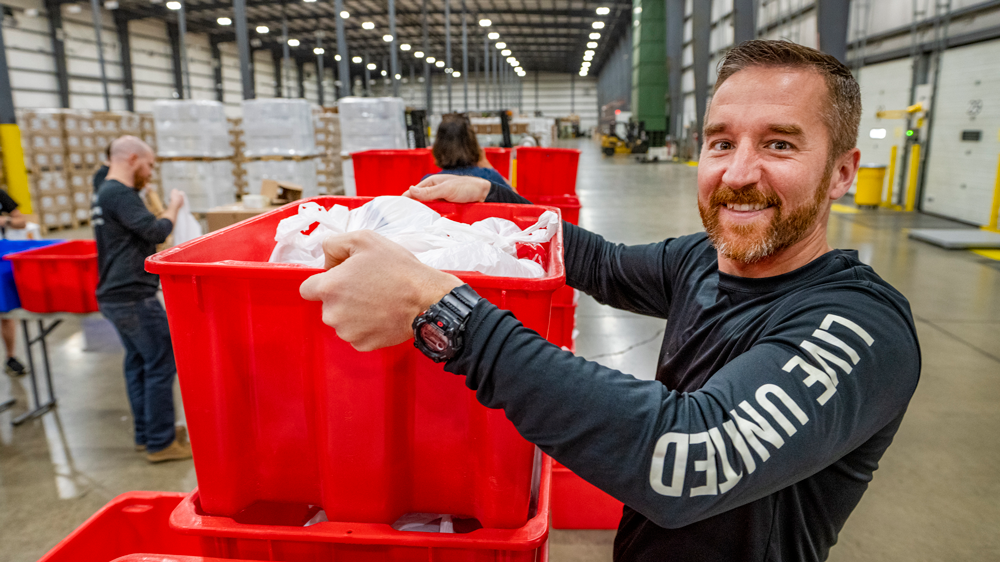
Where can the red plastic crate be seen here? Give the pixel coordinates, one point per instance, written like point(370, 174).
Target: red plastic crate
point(148, 557)
point(131, 523)
point(57, 278)
point(363, 542)
point(578, 504)
point(562, 321)
point(568, 204)
point(280, 409)
point(546, 171)
point(391, 172)
point(500, 159)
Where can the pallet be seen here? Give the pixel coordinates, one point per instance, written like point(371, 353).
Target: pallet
point(47, 228)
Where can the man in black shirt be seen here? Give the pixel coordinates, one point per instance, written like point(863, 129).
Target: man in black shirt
point(786, 366)
point(126, 235)
point(10, 217)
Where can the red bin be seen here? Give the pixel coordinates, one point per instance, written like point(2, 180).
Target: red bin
point(391, 172)
point(546, 171)
point(569, 205)
point(500, 160)
point(57, 278)
point(280, 409)
point(578, 504)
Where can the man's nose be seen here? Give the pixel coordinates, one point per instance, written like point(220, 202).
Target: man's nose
point(743, 168)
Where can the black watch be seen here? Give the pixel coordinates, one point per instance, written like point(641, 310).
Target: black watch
point(439, 331)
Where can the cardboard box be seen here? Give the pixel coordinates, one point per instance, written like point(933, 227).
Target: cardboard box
point(221, 217)
point(280, 192)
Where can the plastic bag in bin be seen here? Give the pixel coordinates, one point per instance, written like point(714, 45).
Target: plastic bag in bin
point(492, 246)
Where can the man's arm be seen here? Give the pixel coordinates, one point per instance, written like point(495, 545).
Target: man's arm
point(133, 215)
point(814, 388)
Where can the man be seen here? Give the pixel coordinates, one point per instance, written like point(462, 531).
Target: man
point(786, 366)
point(126, 235)
point(10, 217)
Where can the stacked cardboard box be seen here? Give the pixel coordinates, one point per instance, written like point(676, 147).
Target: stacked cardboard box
point(47, 157)
point(329, 167)
point(239, 155)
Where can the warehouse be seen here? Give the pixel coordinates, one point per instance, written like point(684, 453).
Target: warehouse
point(722, 422)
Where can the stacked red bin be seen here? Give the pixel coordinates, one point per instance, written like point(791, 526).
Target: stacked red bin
point(286, 419)
point(391, 172)
point(500, 159)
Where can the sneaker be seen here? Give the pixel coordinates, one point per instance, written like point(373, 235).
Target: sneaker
point(140, 448)
point(174, 452)
point(14, 368)
point(181, 434)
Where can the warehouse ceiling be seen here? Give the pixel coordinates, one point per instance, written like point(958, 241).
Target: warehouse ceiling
point(543, 35)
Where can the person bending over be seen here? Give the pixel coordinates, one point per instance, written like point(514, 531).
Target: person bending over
point(457, 152)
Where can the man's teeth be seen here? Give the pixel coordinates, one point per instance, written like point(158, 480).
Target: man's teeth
point(754, 207)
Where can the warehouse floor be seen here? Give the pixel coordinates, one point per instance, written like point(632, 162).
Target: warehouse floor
point(935, 497)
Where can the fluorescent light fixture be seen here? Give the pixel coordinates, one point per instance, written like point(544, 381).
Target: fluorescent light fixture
point(449, 70)
point(439, 64)
point(368, 25)
point(456, 74)
point(224, 21)
point(877, 133)
point(598, 25)
point(592, 45)
point(588, 53)
point(586, 64)
point(262, 29)
point(404, 47)
point(293, 43)
point(595, 36)
point(493, 36)
point(511, 60)
point(603, 11)
point(505, 52)
point(431, 59)
point(398, 77)
point(336, 58)
point(173, 5)
point(345, 14)
point(637, 10)
point(485, 23)
point(419, 54)
point(319, 51)
point(501, 45)
point(387, 38)
point(371, 66)
point(588, 57)
point(356, 60)
point(384, 73)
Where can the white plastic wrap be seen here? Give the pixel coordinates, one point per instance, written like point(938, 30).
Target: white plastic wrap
point(301, 173)
point(372, 123)
point(205, 184)
point(488, 246)
point(191, 128)
point(278, 127)
point(187, 227)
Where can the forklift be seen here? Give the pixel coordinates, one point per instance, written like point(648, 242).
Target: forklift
point(625, 138)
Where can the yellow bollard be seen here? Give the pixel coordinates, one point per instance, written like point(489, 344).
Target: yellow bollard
point(892, 177)
point(911, 183)
point(13, 166)
point(995, 211)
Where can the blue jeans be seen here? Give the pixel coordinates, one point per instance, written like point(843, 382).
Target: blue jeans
point(149, 368)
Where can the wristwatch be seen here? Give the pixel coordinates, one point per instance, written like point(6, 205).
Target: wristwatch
point(439, 331)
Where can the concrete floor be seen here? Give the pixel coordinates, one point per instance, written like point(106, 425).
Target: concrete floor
point(935, 497)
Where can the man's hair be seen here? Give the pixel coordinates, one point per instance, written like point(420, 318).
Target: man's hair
point(455, 145)
point(125, 146)
point(842, 113)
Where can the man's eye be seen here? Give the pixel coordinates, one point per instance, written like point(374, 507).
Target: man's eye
point(780, 145)
point(723, 145)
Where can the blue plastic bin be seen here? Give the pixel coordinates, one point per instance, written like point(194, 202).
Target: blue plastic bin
point(8, 290)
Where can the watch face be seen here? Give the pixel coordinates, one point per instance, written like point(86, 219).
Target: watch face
point(433, 337)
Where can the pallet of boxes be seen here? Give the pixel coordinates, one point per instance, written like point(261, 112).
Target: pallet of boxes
point(329, 166)
point(239, 158)
point(47, 136)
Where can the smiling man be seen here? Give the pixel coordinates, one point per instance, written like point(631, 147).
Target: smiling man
point(786, 366)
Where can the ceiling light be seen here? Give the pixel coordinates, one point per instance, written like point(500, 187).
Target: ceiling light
point(319, 51)
point(174, 5)
point(637, 10)
point(582, 73)
point(404, 47)
point(456, 74)
point(336, 58)
point(449, 70)
point(501, 45)
point(384, 73)
point(511, 60)
point(603, 11)
point(439, 64)
point(309, 1)
point(598, 25)
point(592, 45)
point(485, 23)
point(590, 53)
point(419, 54)
point(371, 66)
point(293, 42)
point(398, 77)
point(431, 59)
point(387, 38)
point(224, 21)
point(505, 52)
point(345, 14)
point(493, 36)
point(595, 36)
point(368, 25)
point(356, 60)
point(588, 57)
point(586, 64)
point(262, 29)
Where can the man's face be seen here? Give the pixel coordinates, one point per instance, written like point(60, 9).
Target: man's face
point(143, 170)
point(764, 172)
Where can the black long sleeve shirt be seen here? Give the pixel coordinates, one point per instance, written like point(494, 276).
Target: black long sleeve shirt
point(773, 402)
point(126, 233)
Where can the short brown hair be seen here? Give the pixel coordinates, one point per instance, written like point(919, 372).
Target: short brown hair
point(455, 145)
point(843, 113)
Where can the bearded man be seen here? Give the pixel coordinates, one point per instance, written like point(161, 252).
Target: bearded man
point(786, 366)
point(127, 233)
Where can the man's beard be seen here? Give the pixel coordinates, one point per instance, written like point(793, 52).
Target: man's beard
point(748, 243)
point(139, 181)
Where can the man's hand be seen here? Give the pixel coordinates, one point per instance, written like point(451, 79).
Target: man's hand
point(374, 289)
point(454, 189)
point(176, 199)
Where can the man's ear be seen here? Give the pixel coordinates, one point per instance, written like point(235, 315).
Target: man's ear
point(844, 171)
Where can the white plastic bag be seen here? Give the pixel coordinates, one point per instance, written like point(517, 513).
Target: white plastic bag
point(187, 227)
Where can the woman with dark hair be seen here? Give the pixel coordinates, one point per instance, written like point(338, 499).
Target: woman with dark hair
point(457, 152)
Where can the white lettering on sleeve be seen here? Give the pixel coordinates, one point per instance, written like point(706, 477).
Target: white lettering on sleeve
point(676, 487)
point(741, 446)
point(707, 466)
point(835, 341)
point(815, 375)
point(761, 429)
point(831, 318)
point(732, 477)
point(821, 356)
point(785, 399)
